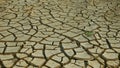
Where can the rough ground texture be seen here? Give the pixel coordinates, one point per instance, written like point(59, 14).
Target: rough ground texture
point(60, 34)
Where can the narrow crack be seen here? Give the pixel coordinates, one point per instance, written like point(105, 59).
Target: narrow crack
point(43, 51)
point(63, 51)
point(108, 43)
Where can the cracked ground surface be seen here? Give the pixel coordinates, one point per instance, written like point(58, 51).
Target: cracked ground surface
point(60, 34)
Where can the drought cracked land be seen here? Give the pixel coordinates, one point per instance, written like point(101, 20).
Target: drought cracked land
point(59, 33)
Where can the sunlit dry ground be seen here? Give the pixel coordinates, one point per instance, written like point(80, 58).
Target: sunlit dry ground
point(60, 34)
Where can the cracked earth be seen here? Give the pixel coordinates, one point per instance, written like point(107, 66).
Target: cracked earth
point(59, 33)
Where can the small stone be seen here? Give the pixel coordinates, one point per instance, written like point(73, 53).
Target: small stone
point(97, 36)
